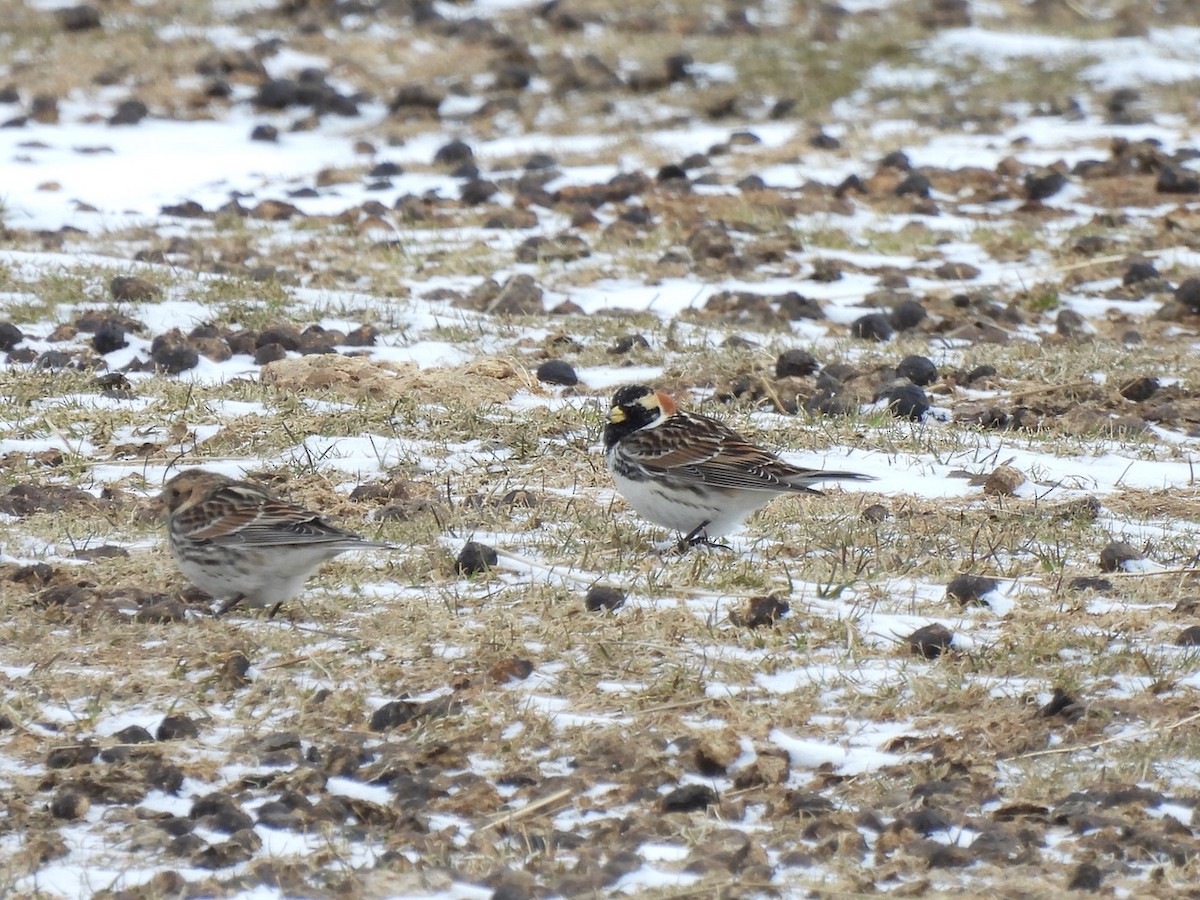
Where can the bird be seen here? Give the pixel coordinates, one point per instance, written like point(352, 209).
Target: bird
point(236, 540)
point(693, 473)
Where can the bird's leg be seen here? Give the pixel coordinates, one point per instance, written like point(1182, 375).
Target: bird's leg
point(699, 537)
point(274, 609)
point(228, 605)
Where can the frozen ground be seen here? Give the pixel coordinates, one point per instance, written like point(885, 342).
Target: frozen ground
point(757, 721)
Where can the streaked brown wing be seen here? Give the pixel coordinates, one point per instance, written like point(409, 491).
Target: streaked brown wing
point(703, 450)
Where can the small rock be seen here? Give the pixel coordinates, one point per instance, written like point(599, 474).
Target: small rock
point(454, 153)
point(128, 112)
point(907, 315)
point(716, 750)
point(627, 343)
point(1189, 637)
point(920, 370)
point(1116, 554)
point(1045, 184)
point(69, 805)
point(760, 611)
point(1004, 481)
point(906, 400)
point(915, 184)
point(74, 755)
point(176, 728)
point(134, 734)
point(83, 17)
point(392, 715)
point(931, 641)
point(808, 804)
point(10, 336)
point(1061, 704)
point(162, 612)
point(1140, 389)
point(1173, 180)
point(971, 588)
point(475, 558)
point(1090, 583)
point(514, 668)
point(602, 596)
point(1086, 877)
point(173, 354)
point(1071, 324)
point(1139, 271)
point(131, 289)
point(872, 327)
point(978, 372)
point(109, 336)
point(557, 371)
point(795, 364)
point(689, 798)
point(875, 513)
point(1188, 294)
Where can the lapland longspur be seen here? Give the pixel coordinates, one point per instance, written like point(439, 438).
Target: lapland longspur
point(238, 541)
point(690, 472)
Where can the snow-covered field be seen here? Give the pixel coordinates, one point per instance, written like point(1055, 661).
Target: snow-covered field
point(360, 313)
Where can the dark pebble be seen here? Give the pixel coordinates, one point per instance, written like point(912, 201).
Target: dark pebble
point(1042, 185)
point(69, 805)
point(808, 804)
point(109, 336)
point(1086, 877)
point(872, 327)
point(131, 289)
point(601, 596)
point(394, 714)
point(134, 734)
point(1140, 389)
point(906, 401)
point(978, 372)
point(1061, 704)
point(268, 134)
point(1090, 583)
point(53, 359)
point(10, 336)
point(689, 798)
point(971, 588)
point(128, 112)
point(931, 641)
point(269, 353)
point(557, 371)
point(907, 315)
point(760, 611)
point(920, 370)
point(875, 513)
point(915, 184)
point(475, 558)
point(1113, 557)
point(175, 728)
point(75, 755)
point(1139, 271)
point(1172, 180)
point(627, 343)
point(1189, 637)
point(1188, 293)
point(173, 354)
point(795, 364)
point(83, 17)
point(453, 153)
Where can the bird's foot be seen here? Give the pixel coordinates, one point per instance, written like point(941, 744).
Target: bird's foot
point(698, 537)
point(228, 605)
